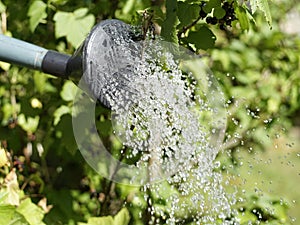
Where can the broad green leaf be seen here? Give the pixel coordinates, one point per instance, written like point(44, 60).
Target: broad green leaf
point(68, 91)
point(219, 12)
point(30, 124)
point(37, 13)
point(6, 213)
point(63, 109)
point(203, 38)
point(9, 216)
point(211, 5)
point(187, 13)
point(74, 26)
point(32, 213)
point(122, 218)
point(19, 219)
point(168, 29)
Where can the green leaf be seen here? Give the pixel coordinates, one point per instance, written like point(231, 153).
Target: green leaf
point(37, 13)
point(32, 213)
point(2, 7)
point(74, 26)
point(59, 112)
point(41, 83)
point(122, 218)
point(168, 29)
point(243, 18)
point(6, 213)
point(3, 157)
point(10, 193)
point(253, 4)
point(211, 5)
point(9, 215)
point(5, 66)
point(219, 12)
point(203, 38)
point(30, 124)
point(68, 91)
point(105, 220)
point(187, 13)
point(263, 5)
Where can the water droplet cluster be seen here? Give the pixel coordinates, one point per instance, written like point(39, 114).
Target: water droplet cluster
point(164, 118)
point(169, 114)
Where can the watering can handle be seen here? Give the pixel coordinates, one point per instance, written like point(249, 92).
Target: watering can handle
point(25, 54)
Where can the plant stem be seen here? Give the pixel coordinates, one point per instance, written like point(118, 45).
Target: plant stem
point(185, 28)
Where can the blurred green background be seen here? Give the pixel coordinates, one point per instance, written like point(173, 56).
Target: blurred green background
point(256, 63)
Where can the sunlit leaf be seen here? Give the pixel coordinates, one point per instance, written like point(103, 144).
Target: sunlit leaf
point(32, 213)
point(253, 4)
point(3, 157)
point(35, 103)
point(122, 218)
point(105, 220)
point(243, 18)
point(9, 216)
point(69, 91)
point(5, 66)
point(6, 213)
point(73, 25)
point(43, 204)
point(37, 13)
point(12, 188)
point(263, 5)
point(41, 83)
point(30, 124)
point(63, 109)
point(2, 7)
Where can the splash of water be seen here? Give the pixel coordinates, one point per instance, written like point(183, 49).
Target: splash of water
point(168, 112)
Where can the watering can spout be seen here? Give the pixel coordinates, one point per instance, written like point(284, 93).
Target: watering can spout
point(94, 61)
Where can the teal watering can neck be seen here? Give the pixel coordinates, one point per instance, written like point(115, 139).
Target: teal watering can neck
point(28, 55)
point(20, 52)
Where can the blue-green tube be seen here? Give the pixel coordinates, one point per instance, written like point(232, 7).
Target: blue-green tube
point(20, 52)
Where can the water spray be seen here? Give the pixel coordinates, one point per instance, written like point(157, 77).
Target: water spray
point(167, 111)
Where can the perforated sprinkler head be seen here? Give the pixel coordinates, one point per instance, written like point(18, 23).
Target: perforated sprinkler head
point(95, 60)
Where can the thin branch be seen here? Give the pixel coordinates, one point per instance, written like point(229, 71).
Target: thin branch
point(185, 28)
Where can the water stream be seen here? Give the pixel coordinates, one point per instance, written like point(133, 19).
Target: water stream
point(169, 115)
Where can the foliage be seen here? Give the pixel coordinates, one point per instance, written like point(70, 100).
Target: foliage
point(38, 154)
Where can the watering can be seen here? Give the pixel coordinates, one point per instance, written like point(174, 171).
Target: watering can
point(69, 66)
